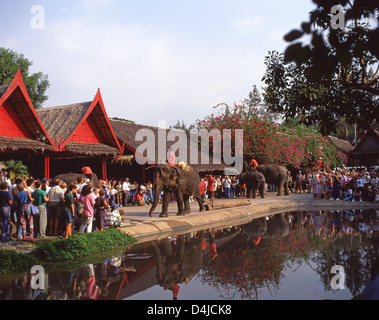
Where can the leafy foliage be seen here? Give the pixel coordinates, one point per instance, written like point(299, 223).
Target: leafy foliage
point(268, 142)
point(16, 168)
point(36, 83)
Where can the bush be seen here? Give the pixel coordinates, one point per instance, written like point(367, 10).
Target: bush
point(56, 250)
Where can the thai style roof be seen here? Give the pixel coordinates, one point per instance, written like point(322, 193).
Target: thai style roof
point(68, 124)
point(21, 128)
point(369, 143)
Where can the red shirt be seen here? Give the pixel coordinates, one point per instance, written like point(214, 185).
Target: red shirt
point(211, 184)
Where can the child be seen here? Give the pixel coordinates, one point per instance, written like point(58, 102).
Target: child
point(113, 218)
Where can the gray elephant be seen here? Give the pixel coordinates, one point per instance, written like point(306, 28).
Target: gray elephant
point(276, 175)
point(184, 181)
point(254, 181)
point(70, 178)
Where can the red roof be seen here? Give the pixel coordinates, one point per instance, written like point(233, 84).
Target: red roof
point(18, 117)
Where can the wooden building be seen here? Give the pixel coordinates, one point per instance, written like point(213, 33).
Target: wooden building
point(22, 135)
point(366, 153)
point(83, 137)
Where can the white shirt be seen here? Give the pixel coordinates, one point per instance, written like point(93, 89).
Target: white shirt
point(126, 186)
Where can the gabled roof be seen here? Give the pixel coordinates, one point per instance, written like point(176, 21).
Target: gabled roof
point(25, 115)
point(370, 132)
point(64, 122)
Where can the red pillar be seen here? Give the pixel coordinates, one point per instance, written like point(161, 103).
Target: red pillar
point(47, 166)
point(104, 168)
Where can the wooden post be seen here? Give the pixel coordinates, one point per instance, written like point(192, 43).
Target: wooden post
point(104, 168)
point(47, 166)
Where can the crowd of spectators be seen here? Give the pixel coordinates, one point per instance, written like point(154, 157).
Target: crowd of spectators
point(41, 208)
point(340, 184)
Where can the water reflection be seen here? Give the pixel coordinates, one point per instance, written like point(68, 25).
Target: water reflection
point(237, 262)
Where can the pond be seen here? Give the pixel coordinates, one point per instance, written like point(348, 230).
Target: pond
point(293, 255)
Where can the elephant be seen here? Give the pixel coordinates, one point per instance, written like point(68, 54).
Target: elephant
point(183, 180)
point(70, 178)
point(276, 175)
point(254, 181)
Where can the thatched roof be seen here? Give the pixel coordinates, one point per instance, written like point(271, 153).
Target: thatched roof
point(341, 144)
point(126, 133)
point(22, 144)
point(61, 121)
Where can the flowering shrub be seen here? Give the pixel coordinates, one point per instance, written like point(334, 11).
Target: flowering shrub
point(267, 142)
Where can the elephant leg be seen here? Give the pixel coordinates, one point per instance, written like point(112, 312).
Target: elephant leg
point(280, 188)
point(254, 193)
point(187, 207)
point(166, 201)
point(180, 201)
point(286, 190)
point(201, 203)
point(262, 190)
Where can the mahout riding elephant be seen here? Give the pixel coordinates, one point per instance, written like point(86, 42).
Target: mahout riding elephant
point(276, 175)
point(183, 180)
point(70, 178)
point(254, 181)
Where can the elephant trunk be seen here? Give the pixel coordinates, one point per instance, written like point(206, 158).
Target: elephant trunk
point(157, 192)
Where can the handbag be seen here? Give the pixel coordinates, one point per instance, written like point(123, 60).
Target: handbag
point(34, 210)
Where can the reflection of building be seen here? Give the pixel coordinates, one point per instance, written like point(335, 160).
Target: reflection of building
point(366, 153)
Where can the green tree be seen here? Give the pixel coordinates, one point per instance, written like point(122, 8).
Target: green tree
point(35, 83)
point(293, 91)
point(16, 168)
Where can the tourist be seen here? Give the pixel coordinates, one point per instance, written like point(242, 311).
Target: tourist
point(45, 185)
point(203, 187)
point(87, 198)
point(40, 200)
point(113, 218)
point(139, 198)
point(233, 187)
point(5, 211)
point(24, 201)
point(119, 194)
point(126, 192)
point(219, 187)
point(101, 205)
point(336, 192)
point(69, 208)
point(80, 184)
point(150, 191)
point(317, 187)
point(377, 196)
point(328, 186)
point(56, 197)
point(210, 189)
point(359, 184)
point(299, 182)
point(227, 183)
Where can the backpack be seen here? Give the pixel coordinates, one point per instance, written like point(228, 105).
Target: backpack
point(80, 208)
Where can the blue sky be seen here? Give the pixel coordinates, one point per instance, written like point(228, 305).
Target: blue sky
point(153, 60)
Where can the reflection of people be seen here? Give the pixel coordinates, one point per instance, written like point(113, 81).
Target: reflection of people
point(212, 246)
point(175, 291)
